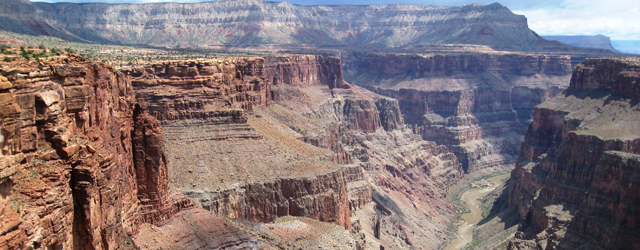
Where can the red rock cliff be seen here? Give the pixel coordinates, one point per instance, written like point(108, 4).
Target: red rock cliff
point(82, 163)
point(576, 167)
point(217, 97)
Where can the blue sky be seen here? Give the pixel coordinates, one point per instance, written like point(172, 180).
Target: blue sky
point(618, 19)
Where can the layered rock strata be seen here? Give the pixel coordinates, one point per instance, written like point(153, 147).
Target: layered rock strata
point(323, 197)
point(577, 168)
point(260, 23)
point(203, 107)
point(405, 178)
point(477, 104)
point(83, 163)
point(319, 147)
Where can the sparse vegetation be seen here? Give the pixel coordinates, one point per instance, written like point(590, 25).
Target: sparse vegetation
point(16, 203)
point(115, 55)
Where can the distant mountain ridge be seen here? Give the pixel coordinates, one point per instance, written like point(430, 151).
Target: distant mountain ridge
point(597, 41)
point(255, 23)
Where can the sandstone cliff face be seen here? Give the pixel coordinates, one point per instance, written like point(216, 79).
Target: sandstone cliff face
point(318, 147)
point(54, 124)
point(206, 106)
point(578, 154)
point(305, 70)
point(189, 90)
point(323, 197)
point(476, 104)
point(252, 23)
point(83, 164)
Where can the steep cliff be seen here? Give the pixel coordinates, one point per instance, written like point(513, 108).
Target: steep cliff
point(239, 165)
point(576, 171)
point(82, 163)
point(258, 23)
point(477, 104)
point(399, 200)
point(318, 147)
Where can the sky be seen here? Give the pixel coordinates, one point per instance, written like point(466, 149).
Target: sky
point(618, 19)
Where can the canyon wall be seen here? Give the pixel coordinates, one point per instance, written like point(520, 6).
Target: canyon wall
point(318, 147)
point(69, 132)
point(204, 105)
point(323, 197)
point(259, 23)
point(576, 171)
point(477, 104)
point(84, 142)
point(83, 163)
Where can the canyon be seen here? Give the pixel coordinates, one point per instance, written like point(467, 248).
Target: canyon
point(477, 104)
point(83, 163)
point(57, 162)
point(344, 127)
point(306, 144)
point(237, 145)
point(574, 178)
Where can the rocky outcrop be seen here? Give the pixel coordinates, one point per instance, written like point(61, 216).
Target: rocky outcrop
point(578, 154)
point(257, 23)
point(284, 157)
point(323, 197)
point(55, 120)
point(201, 90)
point(305, 70)
point(209, 105)
point(222, 89)
point(390, 114)
point(195, 229)
point(83, 163)
point(477, 104)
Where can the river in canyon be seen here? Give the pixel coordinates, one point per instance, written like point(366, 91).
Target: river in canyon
point(471, 200)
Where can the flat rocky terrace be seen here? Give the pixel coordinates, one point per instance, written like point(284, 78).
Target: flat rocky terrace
point(208, 156)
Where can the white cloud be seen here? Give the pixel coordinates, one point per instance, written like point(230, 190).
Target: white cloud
point(618, 19)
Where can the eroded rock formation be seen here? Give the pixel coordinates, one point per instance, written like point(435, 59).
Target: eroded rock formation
point(83, 164)
point(318, 147)
point(577, 171)
point(256, 23)
point(477, 104)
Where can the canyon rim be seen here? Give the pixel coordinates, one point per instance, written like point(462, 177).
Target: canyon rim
point(263, 125)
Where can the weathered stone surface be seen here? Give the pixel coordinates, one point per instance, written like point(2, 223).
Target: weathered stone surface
point(254, 23)
point(578, 154)
point(82, 167)
point(4, 83)
point(390, 114)
point(284, 156)
point(321, 197)
point(477, 104)
point(194, 229)
point(177, 90)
